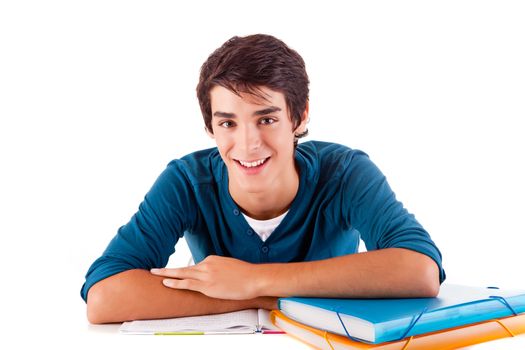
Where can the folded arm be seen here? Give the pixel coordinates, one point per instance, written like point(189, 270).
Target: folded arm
point(137, 294)
point(391, 272)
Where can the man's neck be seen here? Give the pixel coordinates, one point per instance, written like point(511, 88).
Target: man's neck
point(271, 203)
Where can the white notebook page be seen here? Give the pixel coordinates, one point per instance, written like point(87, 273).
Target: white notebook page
point(244, 321)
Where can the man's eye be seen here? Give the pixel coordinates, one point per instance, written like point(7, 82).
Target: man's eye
point(226, 124)
point(267, 121)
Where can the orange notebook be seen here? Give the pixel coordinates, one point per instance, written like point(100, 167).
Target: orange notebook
point(450, 339)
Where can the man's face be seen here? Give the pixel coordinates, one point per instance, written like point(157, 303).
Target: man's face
point(255, 138)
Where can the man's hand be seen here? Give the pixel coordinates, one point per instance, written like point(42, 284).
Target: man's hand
point(382, 273)
point(215, 276)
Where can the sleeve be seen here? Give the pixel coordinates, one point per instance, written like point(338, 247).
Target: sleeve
point(149, 238)
point(370, 206)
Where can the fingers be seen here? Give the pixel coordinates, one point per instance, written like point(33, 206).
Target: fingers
point(164, 272)
point(183, 284)
point(180, 278)
point(183, 272)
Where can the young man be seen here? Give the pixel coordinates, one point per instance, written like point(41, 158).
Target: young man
point(263, 216)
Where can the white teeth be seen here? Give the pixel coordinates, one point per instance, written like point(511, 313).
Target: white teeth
point(252, 164)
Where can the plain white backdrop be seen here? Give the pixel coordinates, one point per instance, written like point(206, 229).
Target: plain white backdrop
point(97, 97)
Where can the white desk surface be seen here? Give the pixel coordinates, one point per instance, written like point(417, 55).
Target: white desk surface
point(107, 336)
point(100, 334)
point(62, 324)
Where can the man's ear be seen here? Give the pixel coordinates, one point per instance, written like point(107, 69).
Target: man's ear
point(304, 120)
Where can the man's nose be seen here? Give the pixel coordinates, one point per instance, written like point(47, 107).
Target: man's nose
point(249, 137)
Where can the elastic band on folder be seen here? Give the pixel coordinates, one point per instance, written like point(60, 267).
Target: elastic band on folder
point(402, 337)
point(347, 334)
point(328, 341)
point(414, 320)
point(413, 323)
point(500, 298)
point(505, 302)
point(508, 330)
point(406, 344)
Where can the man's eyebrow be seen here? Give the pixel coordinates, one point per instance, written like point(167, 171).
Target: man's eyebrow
point(265, 111)
point(223, 115)
point(268, 110)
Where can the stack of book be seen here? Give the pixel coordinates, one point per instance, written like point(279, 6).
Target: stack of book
point(459, 316)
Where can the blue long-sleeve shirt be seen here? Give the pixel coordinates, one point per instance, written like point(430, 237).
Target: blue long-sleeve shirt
point(342, 197)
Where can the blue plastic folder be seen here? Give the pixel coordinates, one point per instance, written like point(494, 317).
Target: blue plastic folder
point(382, 320)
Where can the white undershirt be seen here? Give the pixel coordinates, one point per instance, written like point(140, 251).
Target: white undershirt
point(264, 228)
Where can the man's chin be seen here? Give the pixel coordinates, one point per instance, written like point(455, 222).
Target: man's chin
point(253, 189)
point(253, 185)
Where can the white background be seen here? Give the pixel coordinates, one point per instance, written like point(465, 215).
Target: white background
point(96, 97)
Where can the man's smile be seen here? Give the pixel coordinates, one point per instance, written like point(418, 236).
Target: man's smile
point(253, 163)
point(252, 167)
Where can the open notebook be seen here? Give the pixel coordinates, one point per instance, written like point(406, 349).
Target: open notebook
point(237, 322)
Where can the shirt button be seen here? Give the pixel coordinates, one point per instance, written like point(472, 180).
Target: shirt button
point(235, 211)
point(249, 232)
point(264, 249)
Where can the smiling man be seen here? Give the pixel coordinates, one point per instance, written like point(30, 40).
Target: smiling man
point(256, 142)
point(264, 216)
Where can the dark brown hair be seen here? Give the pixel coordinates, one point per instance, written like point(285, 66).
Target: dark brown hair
point(242, 64)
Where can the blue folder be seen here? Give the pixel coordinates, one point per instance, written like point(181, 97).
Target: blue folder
point(382, 320)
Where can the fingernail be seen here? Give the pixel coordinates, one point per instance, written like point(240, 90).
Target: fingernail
point(166, 282)
point(154, 270)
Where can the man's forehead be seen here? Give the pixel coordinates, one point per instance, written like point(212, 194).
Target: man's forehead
point(262, 96)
